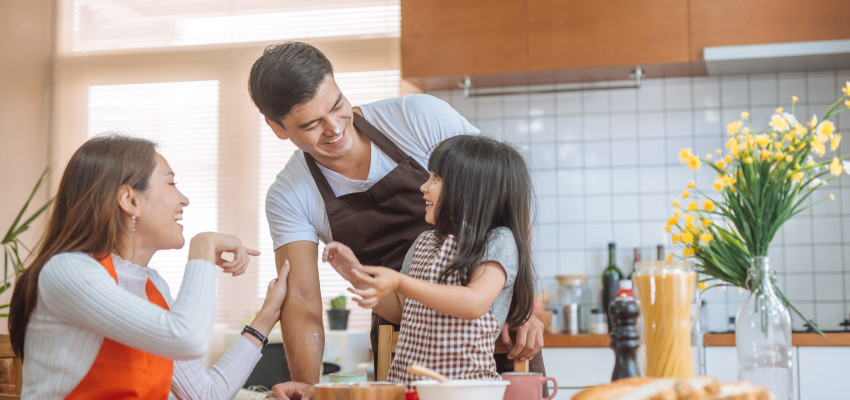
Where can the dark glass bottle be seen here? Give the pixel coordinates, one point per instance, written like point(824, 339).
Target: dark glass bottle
point(660, 252)
point(634, 263)
point(610, 280)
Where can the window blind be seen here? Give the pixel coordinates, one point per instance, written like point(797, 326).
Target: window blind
point(109, 25)
point(182, 118)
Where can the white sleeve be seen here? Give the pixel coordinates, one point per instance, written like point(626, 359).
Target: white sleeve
point(223, 380)
point(288, 202)
point(77, 289)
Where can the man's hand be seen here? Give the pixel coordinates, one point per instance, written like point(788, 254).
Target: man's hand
point(529, 339)
point(292, 391)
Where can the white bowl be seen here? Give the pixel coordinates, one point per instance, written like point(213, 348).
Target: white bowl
point(460, 389)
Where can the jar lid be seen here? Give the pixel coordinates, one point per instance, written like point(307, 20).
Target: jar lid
point(571, 280)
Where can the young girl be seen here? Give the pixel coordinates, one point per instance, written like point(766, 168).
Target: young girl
point(463, 280)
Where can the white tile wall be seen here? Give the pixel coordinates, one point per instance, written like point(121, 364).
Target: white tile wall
point(605, 168)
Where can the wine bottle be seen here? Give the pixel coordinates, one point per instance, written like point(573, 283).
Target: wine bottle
point(610, 280)
point(660, 252)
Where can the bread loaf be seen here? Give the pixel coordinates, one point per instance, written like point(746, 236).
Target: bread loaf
point(696, 388)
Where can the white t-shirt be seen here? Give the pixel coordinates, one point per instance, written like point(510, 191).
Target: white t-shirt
point(415, 123)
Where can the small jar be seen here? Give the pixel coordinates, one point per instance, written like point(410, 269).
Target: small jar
point(598, 322)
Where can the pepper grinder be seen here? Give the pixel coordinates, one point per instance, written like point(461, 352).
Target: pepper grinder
point(625, 337)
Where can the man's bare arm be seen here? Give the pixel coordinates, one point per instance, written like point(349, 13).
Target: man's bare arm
point(301, 314)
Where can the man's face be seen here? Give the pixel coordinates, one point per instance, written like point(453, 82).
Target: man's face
point(321, 126)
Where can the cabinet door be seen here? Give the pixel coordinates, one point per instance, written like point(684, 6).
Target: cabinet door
point(456, 37)
point(823, 371)
point(580, 366)
point(735, 22)
point(565, 34)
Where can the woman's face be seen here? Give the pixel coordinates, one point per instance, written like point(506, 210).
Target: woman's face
point(431, 193)
point(160, 211)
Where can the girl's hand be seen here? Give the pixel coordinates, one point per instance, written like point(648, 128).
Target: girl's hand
point(211, 246)
point(342, 258)
point(378, 282)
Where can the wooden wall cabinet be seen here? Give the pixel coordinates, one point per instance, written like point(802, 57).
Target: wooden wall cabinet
point(583, 34)
point(734, 22)
point(525, 42)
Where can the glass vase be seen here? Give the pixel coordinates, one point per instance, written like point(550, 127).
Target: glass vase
point(763, 334)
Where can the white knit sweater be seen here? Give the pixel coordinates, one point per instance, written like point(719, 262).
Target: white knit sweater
point(79, 303)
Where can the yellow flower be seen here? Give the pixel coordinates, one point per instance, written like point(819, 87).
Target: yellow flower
point(835, 167)
point(702, 285)
point(718, 185)
point(668, 228)
point(745, 115)
point(675, 203)
point(734, 127)
point(709, 206)
point(762, 140)
point(728, 180)
point(688, 238)
point(685, 194)
point(797, 176)
point(846, 88)
point(705, 238)
point(693, 206)
point(694, 163)
point(706, 222)
point(826, 129)
point(791, 148)
point(800, 130)
point(687, 252)
point(745, 130)
point(718, 152)
point(678, 213)
point(835, 141)
point(670, 256)
point(672, 221)
point(813, 122)
point(794, 99)
point(720, 164)
point(789, 158)
point(818, 146)
point(831, 196)
point(689, 221)
point(684, 155)
point(748, 160)
point(847, 103)
point(778, 123)
point(779, 110)
point(691, 184)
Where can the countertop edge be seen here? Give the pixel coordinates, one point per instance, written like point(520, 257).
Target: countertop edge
point(709, 340)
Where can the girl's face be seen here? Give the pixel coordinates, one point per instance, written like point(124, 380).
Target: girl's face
point(160, 211)
point(431, 193)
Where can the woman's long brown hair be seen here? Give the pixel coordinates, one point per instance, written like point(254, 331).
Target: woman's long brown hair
point(85, 216)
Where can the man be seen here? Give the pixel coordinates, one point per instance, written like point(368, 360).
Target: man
point(355, 179)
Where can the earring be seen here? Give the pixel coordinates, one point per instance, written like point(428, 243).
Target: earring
point(133, 228)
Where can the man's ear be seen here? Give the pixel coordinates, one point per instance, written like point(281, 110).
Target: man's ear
point(127, 199)
point(277, 129)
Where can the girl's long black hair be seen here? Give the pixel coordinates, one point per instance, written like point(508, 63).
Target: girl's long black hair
point(485, 185)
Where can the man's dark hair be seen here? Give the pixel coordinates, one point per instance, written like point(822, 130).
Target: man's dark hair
point(286, 75)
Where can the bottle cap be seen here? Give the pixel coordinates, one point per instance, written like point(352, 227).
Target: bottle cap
point(625, 284)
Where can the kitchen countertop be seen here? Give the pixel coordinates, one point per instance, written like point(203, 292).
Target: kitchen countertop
point(710, 339)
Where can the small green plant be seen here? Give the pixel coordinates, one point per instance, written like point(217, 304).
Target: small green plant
point(13, 263)
point(338, 303)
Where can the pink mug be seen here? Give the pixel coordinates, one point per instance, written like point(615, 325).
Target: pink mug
point(527, 386)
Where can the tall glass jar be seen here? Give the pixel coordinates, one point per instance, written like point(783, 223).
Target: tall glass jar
point(763, 334)
point(669, 304)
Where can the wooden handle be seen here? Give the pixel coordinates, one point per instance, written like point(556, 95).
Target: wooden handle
point(417, 369)
point(521, 366)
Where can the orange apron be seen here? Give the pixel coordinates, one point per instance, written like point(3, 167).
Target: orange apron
point(122, 372)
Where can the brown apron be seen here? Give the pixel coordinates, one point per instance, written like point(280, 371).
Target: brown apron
point(381, 223)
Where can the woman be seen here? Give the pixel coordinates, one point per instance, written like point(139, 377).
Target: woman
point(90, 319)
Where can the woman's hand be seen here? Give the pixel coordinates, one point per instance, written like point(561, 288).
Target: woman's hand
point(211, 246)
point(378, 282)
point(342, 258)
point(276, 292)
